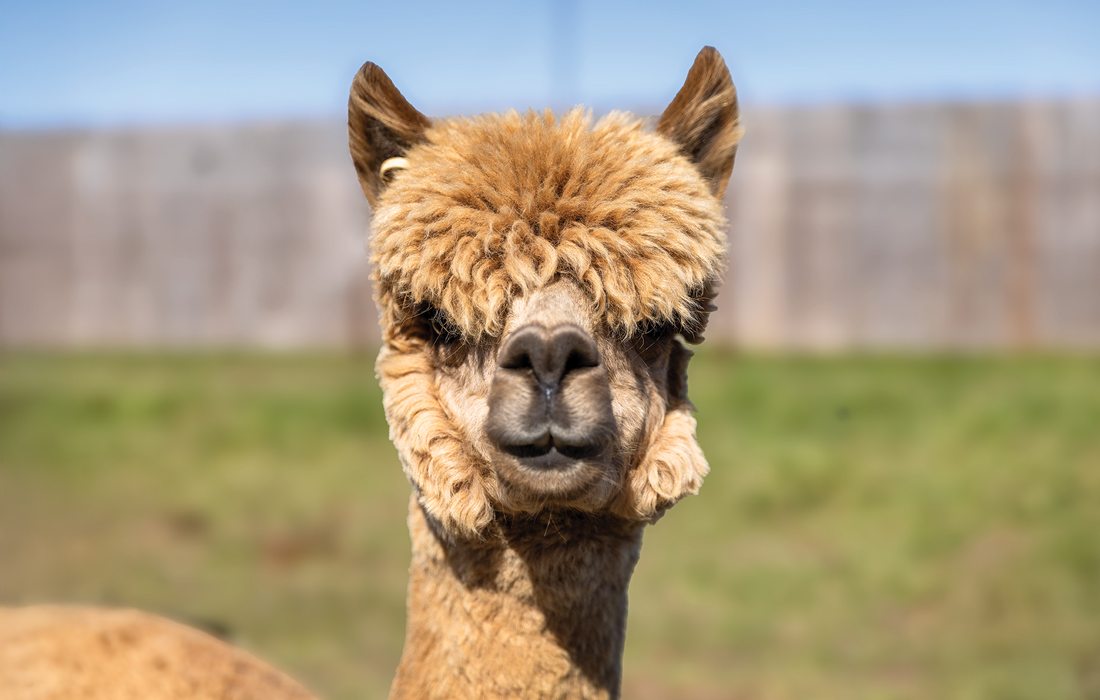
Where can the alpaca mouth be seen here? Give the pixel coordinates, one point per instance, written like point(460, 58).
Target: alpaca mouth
point(552, 466)
point(553, 450)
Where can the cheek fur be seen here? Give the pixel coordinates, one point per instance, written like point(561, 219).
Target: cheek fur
point(672, 467)
point(666, 461)
point(453, 484)
point(635, 402)
point(464, 397)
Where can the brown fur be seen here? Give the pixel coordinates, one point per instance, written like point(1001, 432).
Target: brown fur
point(534, 609)
point(517, 588)
point(608, 204)
point(381, 127)
point(705, 120)
point(73, 653)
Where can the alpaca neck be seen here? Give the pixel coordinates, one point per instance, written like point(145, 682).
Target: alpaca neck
point(535, 609)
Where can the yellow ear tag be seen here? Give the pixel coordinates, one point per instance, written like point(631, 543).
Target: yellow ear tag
point(392, 164)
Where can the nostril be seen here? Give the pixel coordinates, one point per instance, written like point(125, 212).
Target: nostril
point(523, 351)
point(580, 358)
point(519, 360)
point(572, 350)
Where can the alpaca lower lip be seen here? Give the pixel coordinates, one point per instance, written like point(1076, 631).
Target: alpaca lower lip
point(552, 476)
point(552, 459)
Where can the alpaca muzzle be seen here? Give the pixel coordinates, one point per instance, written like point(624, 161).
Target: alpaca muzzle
point(550, 402)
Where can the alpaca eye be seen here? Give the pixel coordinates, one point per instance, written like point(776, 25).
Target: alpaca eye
point(660, 331)
point(430, 323)
point(654, 339)
point(695, 325)
point(442, 330)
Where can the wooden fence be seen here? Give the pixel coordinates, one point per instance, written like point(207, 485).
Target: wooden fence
point(925, 226)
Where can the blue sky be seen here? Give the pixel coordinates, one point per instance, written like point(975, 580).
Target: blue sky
point(119, 62)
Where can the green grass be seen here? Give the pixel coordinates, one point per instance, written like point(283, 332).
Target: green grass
point(871, 528)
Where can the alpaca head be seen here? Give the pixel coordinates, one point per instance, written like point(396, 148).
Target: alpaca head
point(537, 279)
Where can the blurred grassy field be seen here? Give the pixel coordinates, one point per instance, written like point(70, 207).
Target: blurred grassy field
point(872, 527)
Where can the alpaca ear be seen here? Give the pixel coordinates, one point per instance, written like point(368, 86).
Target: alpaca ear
point(703, 119)
point(381, 125)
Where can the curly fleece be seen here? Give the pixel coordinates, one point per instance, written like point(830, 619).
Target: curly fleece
point(493, 207)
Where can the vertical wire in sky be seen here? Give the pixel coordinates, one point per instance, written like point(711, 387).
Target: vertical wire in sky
point(564, 52)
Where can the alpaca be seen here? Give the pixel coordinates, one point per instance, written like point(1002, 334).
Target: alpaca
point(537, 278)
point(83, 653)
point(534, 277)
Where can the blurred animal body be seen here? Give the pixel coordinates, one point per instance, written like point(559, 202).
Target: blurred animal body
point(537, 278)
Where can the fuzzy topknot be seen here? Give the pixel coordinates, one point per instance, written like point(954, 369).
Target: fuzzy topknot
point(491, 208)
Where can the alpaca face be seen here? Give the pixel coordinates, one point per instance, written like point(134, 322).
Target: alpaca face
point(558, 406)
point(537, 278)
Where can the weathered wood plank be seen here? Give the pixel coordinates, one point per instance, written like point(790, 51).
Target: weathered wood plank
point(914, 226)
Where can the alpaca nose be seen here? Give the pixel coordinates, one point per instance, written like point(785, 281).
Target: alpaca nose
point(551, 354)
point(550, 399)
